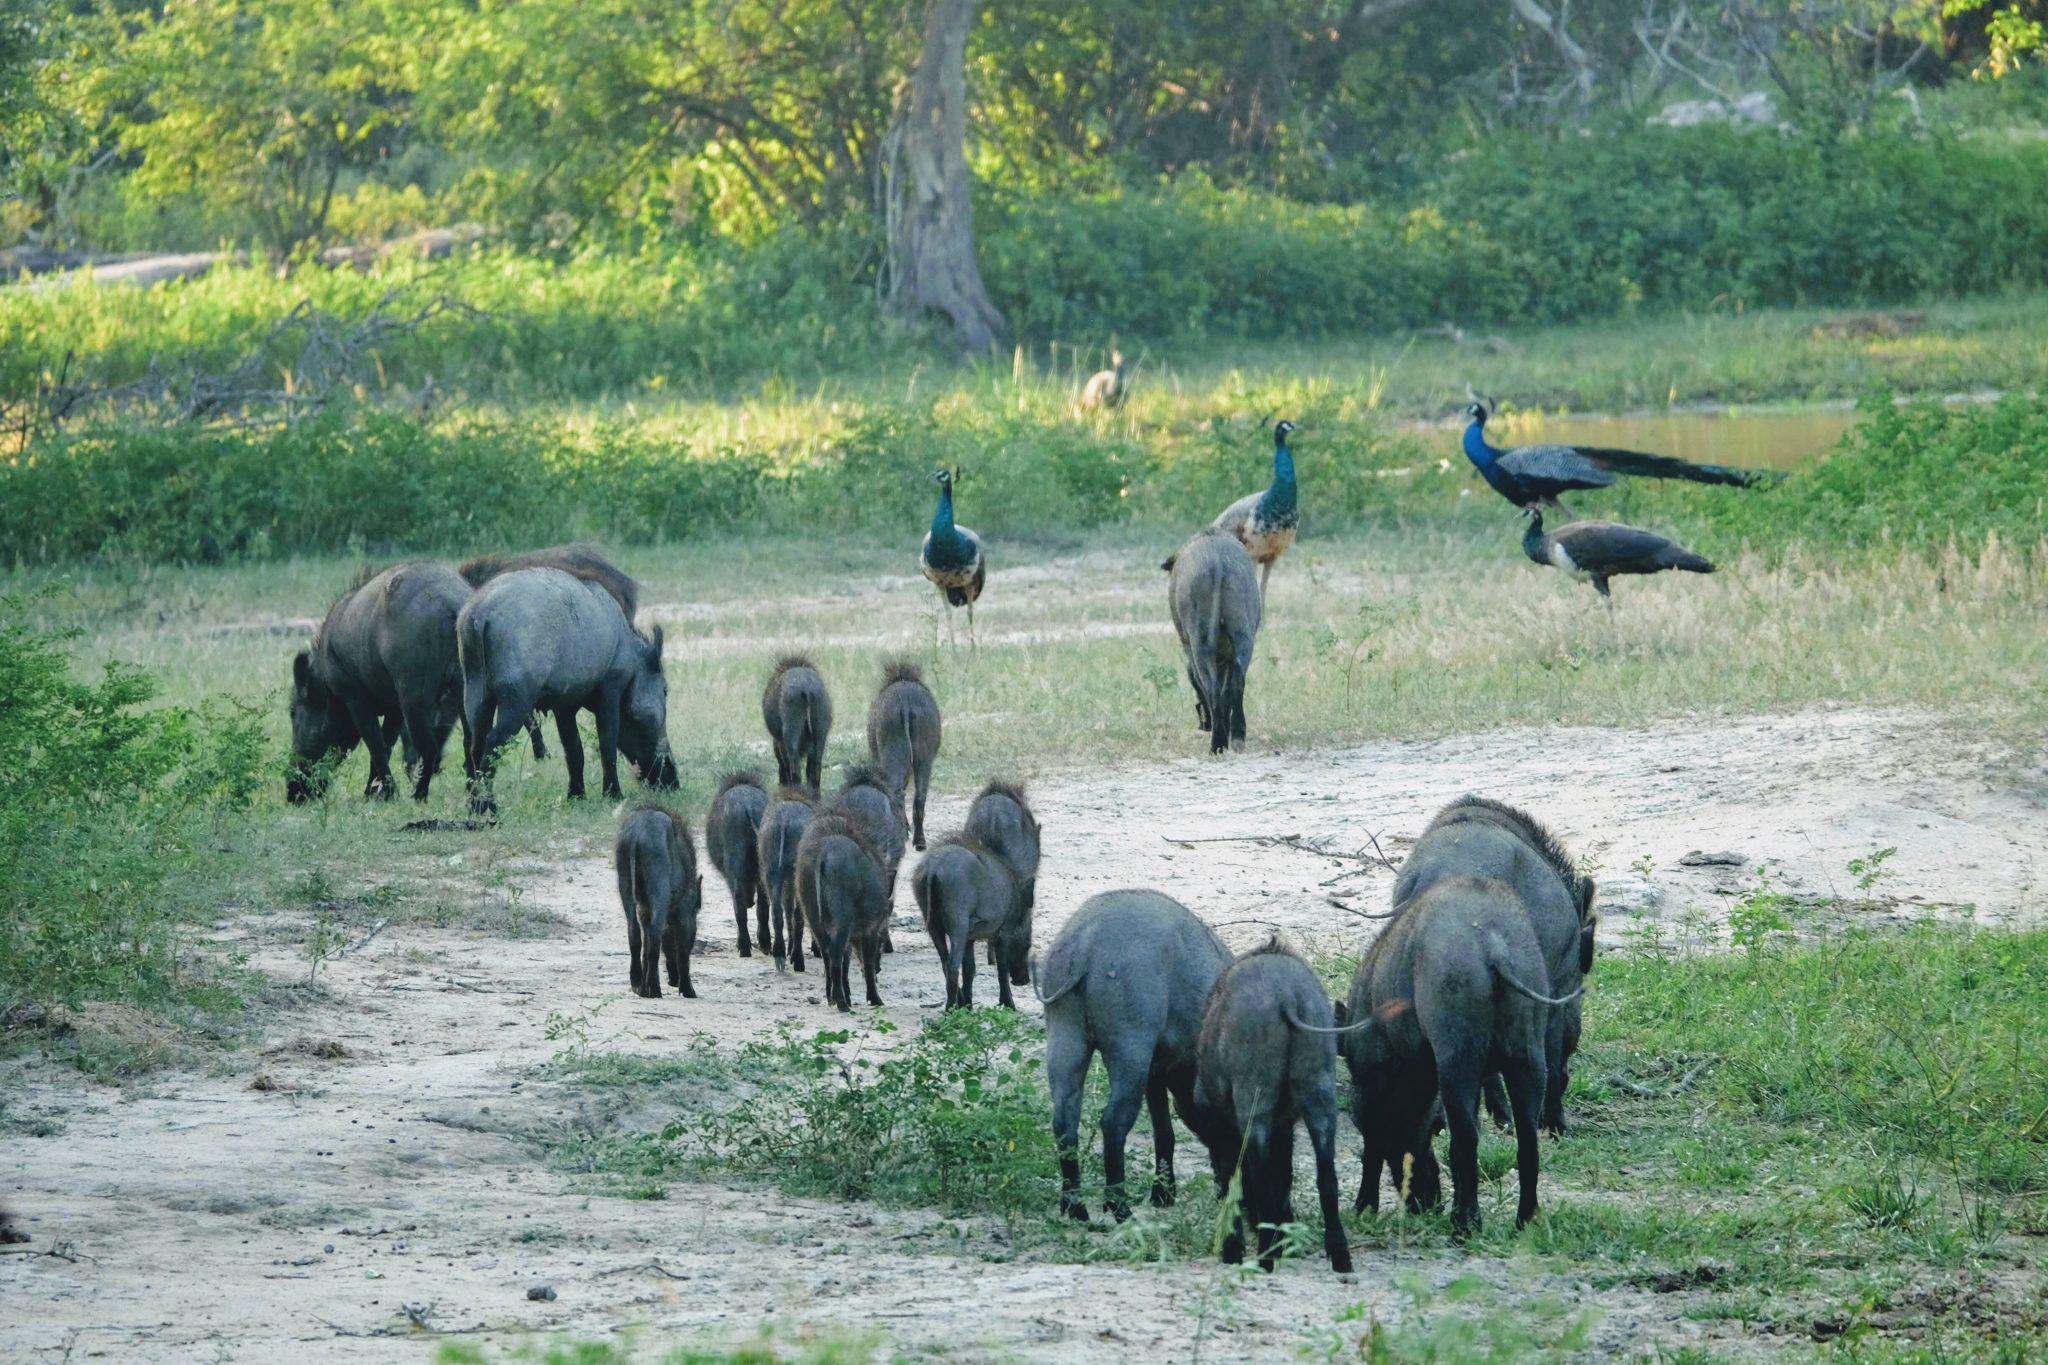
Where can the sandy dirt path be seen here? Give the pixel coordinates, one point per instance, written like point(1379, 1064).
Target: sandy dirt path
point(215, 1221)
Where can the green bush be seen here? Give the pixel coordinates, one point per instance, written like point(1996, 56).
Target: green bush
point(102, 809)
point(1916, 476)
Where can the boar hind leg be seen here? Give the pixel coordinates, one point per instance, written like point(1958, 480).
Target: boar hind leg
point(1276, 1183)
point(1525, 1077)
point(1164, 1186)
point(1128, 1069)
point(1458, 1083)
point(572, 749)
point(1067, 1054)
point(1319, 1116)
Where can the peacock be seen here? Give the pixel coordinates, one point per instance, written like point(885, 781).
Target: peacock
point(1265, 522)
point(1595, 551)
point(952, 559)
point(1105, 388)
point(1531, 475)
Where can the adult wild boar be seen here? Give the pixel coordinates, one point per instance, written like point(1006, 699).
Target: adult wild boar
point(1473, 836)
point(579, 559)
point(1458, 989)
point(1128, 977)
point(1267, 1058)
point(544, 638)
point(1214, 597)
point(383, 662)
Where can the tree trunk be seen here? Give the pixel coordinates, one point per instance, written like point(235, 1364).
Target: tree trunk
point(929, 220)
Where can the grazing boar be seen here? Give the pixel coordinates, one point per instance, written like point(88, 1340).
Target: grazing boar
point(966, 895)
point(732, 833)
point(584, 561)
point(1473, 836)
point(544, 638)
point(782, 828)
point(384, 663)
point(798, 713)
point(1464, 953)
point(844, 891)
point(1266, 1058)
point(903, 738)
point(1002, 820)
point(1214, 596)
point(661, 893)
point(1128, 976)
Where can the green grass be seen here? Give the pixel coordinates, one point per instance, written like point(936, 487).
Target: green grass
point(765, 1348)
point(1822, 1129)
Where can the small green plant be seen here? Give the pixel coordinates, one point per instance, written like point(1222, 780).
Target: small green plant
point(1761, 913)
point(1871, 868)
point(1468, 1319)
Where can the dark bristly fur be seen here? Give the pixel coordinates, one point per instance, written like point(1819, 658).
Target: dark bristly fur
point(1463, 955)
point(383, 665)
point(797, 711)
point(661, 893)
point(966, 893)
point(844, 891)
point(1127, 976)
point(1265, 1060)
point(782, 829)
point(1481, 837)
point(904, 734)
point(1003, 820)
point(732, 832)
point(1214, 598)
point(545, 638)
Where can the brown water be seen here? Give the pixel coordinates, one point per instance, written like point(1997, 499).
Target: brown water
point(1763, 440)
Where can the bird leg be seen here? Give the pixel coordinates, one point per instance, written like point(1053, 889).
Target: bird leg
point(951, 638)
point(971, 644)
point(1265, 572)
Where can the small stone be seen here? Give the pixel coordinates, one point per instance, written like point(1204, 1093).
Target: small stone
point(328, 1249)
point(1696, 858)
point(541, 1293)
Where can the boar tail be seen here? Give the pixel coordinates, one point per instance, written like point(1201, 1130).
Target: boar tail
point(1038, 984)
point(1378, 1016)
point(1505, 975)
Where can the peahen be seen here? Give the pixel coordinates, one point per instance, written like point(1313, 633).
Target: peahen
point(1531, 475)
point(951, 557)
point(1595, 551)
point(1105, 388)
point(1264, 523)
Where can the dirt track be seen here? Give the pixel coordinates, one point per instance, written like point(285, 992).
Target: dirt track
point(202, 1210)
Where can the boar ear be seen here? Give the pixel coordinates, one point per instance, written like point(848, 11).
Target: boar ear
point(1586, 890)
point(302, 667)
point(1586, 944)
point(654, 644)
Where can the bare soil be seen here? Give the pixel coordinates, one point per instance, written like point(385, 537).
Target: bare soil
point(368, 1174)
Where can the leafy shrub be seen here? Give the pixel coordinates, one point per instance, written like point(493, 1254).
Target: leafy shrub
point(1915, 476)
point(101, 812)
point(957, 1119)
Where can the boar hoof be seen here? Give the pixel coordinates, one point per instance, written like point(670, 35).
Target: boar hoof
point(1073, 1207)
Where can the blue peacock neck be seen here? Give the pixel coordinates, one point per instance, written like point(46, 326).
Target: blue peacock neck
point(1280, 499)
point(949, 549)
point(1476, 448)
point(1486, 459)
point(1533, 538)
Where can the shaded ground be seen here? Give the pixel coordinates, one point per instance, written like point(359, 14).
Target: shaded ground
point(382, 1150)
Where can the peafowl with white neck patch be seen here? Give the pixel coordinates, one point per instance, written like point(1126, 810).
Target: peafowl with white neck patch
point(1595, 551)
point(1265, 523)
point(1531, 476)
point(952, 559)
